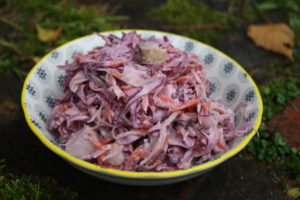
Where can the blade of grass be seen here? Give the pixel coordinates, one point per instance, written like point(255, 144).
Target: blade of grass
point(11, 46)
point(11, 23)
point(19, 73)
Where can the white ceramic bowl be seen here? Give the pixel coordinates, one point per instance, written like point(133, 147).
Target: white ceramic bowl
point(230, 83)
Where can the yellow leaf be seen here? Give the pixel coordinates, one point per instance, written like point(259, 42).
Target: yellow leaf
point(294, 193)
point(278, 38)
point(47, 35)
point(35, 59)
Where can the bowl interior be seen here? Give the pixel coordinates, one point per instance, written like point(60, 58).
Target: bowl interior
point(229, 82)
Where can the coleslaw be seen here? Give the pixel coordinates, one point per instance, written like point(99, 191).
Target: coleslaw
point(140, 104)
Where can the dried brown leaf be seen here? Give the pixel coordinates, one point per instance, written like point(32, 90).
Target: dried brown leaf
point(278, 38)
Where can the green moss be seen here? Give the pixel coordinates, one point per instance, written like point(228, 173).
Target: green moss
point(277, 94)
point(192, 13)
point(31, 188)
point(243, 11)
point(75, 19)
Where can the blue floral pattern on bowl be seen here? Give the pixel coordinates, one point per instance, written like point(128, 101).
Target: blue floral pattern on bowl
point(249, 95)
point(189, 46)
point(227, 68)
point(208, 59)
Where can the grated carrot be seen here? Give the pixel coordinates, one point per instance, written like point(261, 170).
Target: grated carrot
point(187, 104)
point(166, 99)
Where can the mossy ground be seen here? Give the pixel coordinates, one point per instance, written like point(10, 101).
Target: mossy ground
point(24, 187)
point(19, 44)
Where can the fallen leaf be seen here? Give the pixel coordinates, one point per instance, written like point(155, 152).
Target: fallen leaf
point(47, 35)
point(278, 38)
point(294, 193)
point(35, 59)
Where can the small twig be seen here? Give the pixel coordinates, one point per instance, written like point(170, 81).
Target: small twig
point(12, 24)
point(276, 178)
point(19, 73)
point(294, 107)
point(10, 46)
point(197, 26)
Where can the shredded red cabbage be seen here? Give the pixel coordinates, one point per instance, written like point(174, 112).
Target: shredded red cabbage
point(127, 110)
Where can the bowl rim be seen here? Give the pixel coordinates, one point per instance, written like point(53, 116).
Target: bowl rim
point(141, 175)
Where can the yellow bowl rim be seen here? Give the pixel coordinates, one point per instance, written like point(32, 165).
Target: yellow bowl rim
point(130, 174)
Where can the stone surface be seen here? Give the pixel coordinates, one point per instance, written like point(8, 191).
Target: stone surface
point(288, 123)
